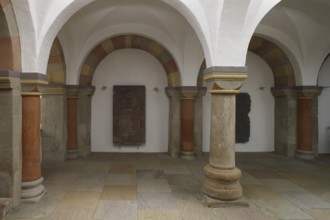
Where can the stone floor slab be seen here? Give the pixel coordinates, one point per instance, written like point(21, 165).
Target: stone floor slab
point(116, 210)
point(118, 193)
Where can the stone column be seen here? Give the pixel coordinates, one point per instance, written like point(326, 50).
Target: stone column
point(305, 123)
point(72, 100)
point(188, 95)
point(53, 120)
point(85, 119)
point(285, 139)
point(198, 121)
point(174, 120)
point(32, 188)
point(222, 177)
point(10, 136)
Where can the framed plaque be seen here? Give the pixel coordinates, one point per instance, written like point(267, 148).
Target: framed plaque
point(129, 115)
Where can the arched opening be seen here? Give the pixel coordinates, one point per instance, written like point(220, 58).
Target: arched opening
point(130, 49)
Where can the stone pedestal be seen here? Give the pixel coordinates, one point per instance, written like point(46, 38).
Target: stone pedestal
point(285, 120)
point(32, 188)
point(10, 136)
point(174, 95)
point(305, 100)
point(72, 100)
point(188, 95)
point(222, 176)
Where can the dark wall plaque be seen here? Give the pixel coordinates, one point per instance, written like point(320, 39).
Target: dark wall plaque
point(128, 115)
point(243, 107)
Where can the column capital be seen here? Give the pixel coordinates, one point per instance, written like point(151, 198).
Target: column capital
point(55, 89)
point(173, 92)
point(308, 92)
point(33, 83)
point(225, 80)
point(188, 92)
point(72, 91)
point(86, 90)
point(9, 80)
point(287, 91)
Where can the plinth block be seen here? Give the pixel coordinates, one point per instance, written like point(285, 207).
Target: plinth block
point(216, 203)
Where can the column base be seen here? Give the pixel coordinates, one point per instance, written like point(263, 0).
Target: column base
point(222, 184)
point(305, 155)
point(71, 154)
point(216, 203)
point(187, 155)
point(32, 191)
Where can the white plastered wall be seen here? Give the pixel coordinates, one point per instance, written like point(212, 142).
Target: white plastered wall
point(258, 84)
point(130, 67)
point(324, 108)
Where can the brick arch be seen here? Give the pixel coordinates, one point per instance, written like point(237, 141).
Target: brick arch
point(276, 59)
point(129, 41)
point(56, 69)
point(10, 52)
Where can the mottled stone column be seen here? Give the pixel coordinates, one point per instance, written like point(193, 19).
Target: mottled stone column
point(222, 177)
point(53, 120)
point(198, 121)
point(285, 139)
point(305, 100)
point(188, 95)
point(84, 119)
point(72, 100)
point(10, 136)
point(32, 188)
point(174, 95)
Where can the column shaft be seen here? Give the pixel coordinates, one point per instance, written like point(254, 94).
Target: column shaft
point(187, 128)
point(31, 138)
point(305, 124)
point(72, 123)
point(32, 187)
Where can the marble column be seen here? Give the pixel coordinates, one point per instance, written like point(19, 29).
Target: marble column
point(32, 187)
point(84, 119)
point(174, 95)
point(188, 95)
point(305, 128)
point(72, 100)
point(285, 139)
point(10, 136)
point(198, 121)
point(222, 184)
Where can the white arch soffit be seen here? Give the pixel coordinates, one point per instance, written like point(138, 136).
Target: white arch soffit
point(73, 72)
point(59, 14)
point(27, 28)
point(317, 55)
point(289, 47)
point(192, 11)
point(237, 27)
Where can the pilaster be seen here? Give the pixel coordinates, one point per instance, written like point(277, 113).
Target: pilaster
point(174, 139)
point(10, 136)
point(285, 140)
point(72, 116)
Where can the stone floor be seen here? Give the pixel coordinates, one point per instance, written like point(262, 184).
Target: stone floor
point(154, 186)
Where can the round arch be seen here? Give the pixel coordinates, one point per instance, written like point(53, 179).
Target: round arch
point(129, 41)
point(56, 69)
point(10, 53)
point(276, 59)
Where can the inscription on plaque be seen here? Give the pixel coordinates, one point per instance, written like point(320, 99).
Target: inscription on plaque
point(128, 115)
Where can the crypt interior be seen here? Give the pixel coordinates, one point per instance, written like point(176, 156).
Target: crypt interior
point(164, 109)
